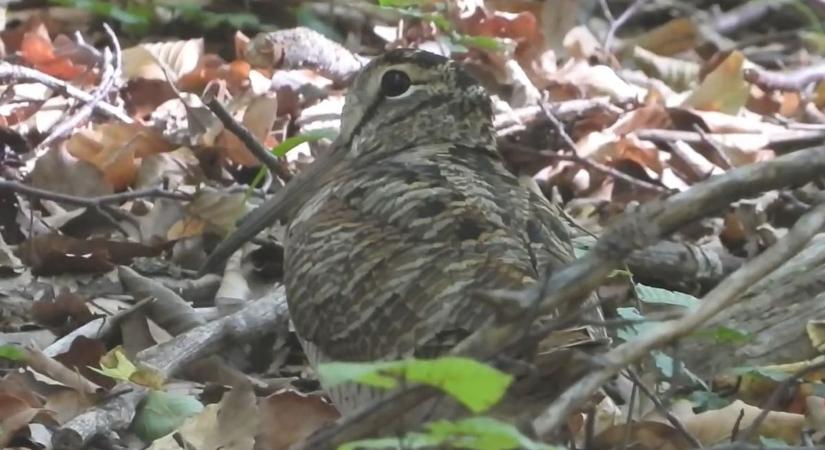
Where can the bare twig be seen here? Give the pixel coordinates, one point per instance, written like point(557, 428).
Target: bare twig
point(19, 73)
point(111, 71)
point(795, 80)
point(619, 21)
point(745, 14)
point(593, 164)
point(663, 410)
point(91, 202)
point(252, 144)
point(788, 137)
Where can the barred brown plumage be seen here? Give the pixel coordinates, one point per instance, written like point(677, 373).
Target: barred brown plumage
point(412, 216)
point(384, 260)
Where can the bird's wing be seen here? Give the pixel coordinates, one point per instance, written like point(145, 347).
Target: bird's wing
point(382, 264)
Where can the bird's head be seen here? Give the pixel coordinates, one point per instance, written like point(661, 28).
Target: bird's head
point(407, 98)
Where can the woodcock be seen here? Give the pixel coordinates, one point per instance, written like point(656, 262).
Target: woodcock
point(410, 217)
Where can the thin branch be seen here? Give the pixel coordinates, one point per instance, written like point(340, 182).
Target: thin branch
point(111, 72)
point(680, 427)
point(619, 21)
point(568, 141)
point(252, 144)
point(91, 202)
point(17, 73)
point(795, 80)
point(787, 137)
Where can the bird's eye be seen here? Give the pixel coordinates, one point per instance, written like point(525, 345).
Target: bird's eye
point(395, 83)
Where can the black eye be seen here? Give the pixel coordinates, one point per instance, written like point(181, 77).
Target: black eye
point(395, 83)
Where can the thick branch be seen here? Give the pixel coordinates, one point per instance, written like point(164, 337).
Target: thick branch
point(723, 296)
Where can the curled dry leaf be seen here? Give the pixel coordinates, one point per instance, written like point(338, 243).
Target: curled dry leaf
point(83, 354)
point(212, 211)
point(677, 73)
point(668, 39)
point(64, 313)
point(116, 148)
point(592, 81)
point(212, 67)
point(724, 89)
point(149, 60)
point(15, 413)
point(715, 426)
point(37, 50)
point(230, 424)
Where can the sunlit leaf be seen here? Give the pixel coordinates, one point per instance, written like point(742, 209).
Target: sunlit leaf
point(12, 352)
point(476, 385)
point(477, 433)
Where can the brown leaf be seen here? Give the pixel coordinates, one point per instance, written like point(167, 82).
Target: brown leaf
point(642, 436)
point(724, 89)
point(14, 415)
point(669, 39)
point(288, 417)
point(84, 353)
point(115, 147)
point(59, 171)
point(37, 50)
point(53, 254)
point(65, 312)
point(148, 60)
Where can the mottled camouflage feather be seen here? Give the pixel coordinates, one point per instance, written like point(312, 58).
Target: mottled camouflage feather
point(386, 259)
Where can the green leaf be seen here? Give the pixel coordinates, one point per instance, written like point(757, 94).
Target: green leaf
point(116, 366)
point(12, 352)
point(409, 441)
point(482, 42)
point(476, 433)
point(288, 144)
point(294, 141)
point(477, 386)
point(401, 3)
point(650, 294)
point(771, 374)
point(628, 332)
point(725, 335)
point(163, 413)
point(708, 400)
point(483, 433)
point(772, 442)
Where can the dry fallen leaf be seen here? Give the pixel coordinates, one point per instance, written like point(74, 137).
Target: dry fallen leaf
point(116, 148)
point(288, 417)
point(724, 89)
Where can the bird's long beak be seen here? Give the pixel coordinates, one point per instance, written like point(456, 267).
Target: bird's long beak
point(280, 207)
